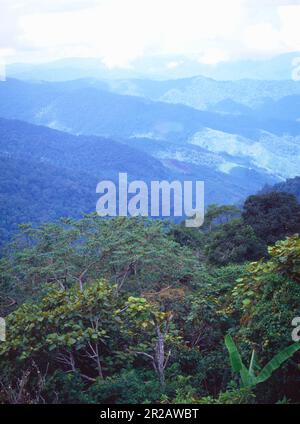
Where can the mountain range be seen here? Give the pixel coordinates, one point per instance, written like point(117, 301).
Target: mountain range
point(46, 174)
point(159, 67)
point(222, 141)
point(59, 139)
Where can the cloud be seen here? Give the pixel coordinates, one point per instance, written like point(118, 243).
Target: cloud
point(46, 6)
point(120, 31)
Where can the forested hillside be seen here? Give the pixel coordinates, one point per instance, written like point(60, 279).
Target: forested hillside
point(47, 174)
point(138, 311)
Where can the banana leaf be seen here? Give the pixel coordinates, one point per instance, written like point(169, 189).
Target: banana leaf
point(237, 363)
point(276, 362)
point(248, 377)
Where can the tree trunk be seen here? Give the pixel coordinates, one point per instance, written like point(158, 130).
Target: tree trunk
point(160, 356)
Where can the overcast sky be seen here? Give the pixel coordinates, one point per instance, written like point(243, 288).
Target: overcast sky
point(118, 31)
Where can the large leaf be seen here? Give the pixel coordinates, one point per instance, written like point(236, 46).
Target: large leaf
point(237, 363)
point(235, 358)
point(246, 377)
point(276, 362)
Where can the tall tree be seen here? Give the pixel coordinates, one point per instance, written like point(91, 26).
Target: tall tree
point(273, 216)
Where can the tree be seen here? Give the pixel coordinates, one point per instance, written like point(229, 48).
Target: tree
point(78, 330)
point(89, 333)
point(192, 238)
point(216, 215)
point(282, 267)
point(160, 333)
point(234, 242)
point(134, 252)
point(285, 258)
point(273, 216)
point(267, 298)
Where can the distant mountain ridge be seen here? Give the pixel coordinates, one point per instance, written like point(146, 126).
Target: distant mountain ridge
point(291, 186)
point(269, 147)
point(161, 67)
point(85, 108)
point(204, 93)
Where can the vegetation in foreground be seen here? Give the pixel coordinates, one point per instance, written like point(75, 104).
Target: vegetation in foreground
point(138, 311)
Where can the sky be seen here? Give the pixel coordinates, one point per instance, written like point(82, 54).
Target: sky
point(120, 31)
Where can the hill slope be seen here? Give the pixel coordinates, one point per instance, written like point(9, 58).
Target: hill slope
point(291, 186)
point(46, 173)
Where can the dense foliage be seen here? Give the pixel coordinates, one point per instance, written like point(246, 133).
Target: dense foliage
point(138, 311)
point(273, 215)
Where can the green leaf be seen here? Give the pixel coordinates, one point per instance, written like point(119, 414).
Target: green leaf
point(237, 363)
point(276, 362)
point(235, 358)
